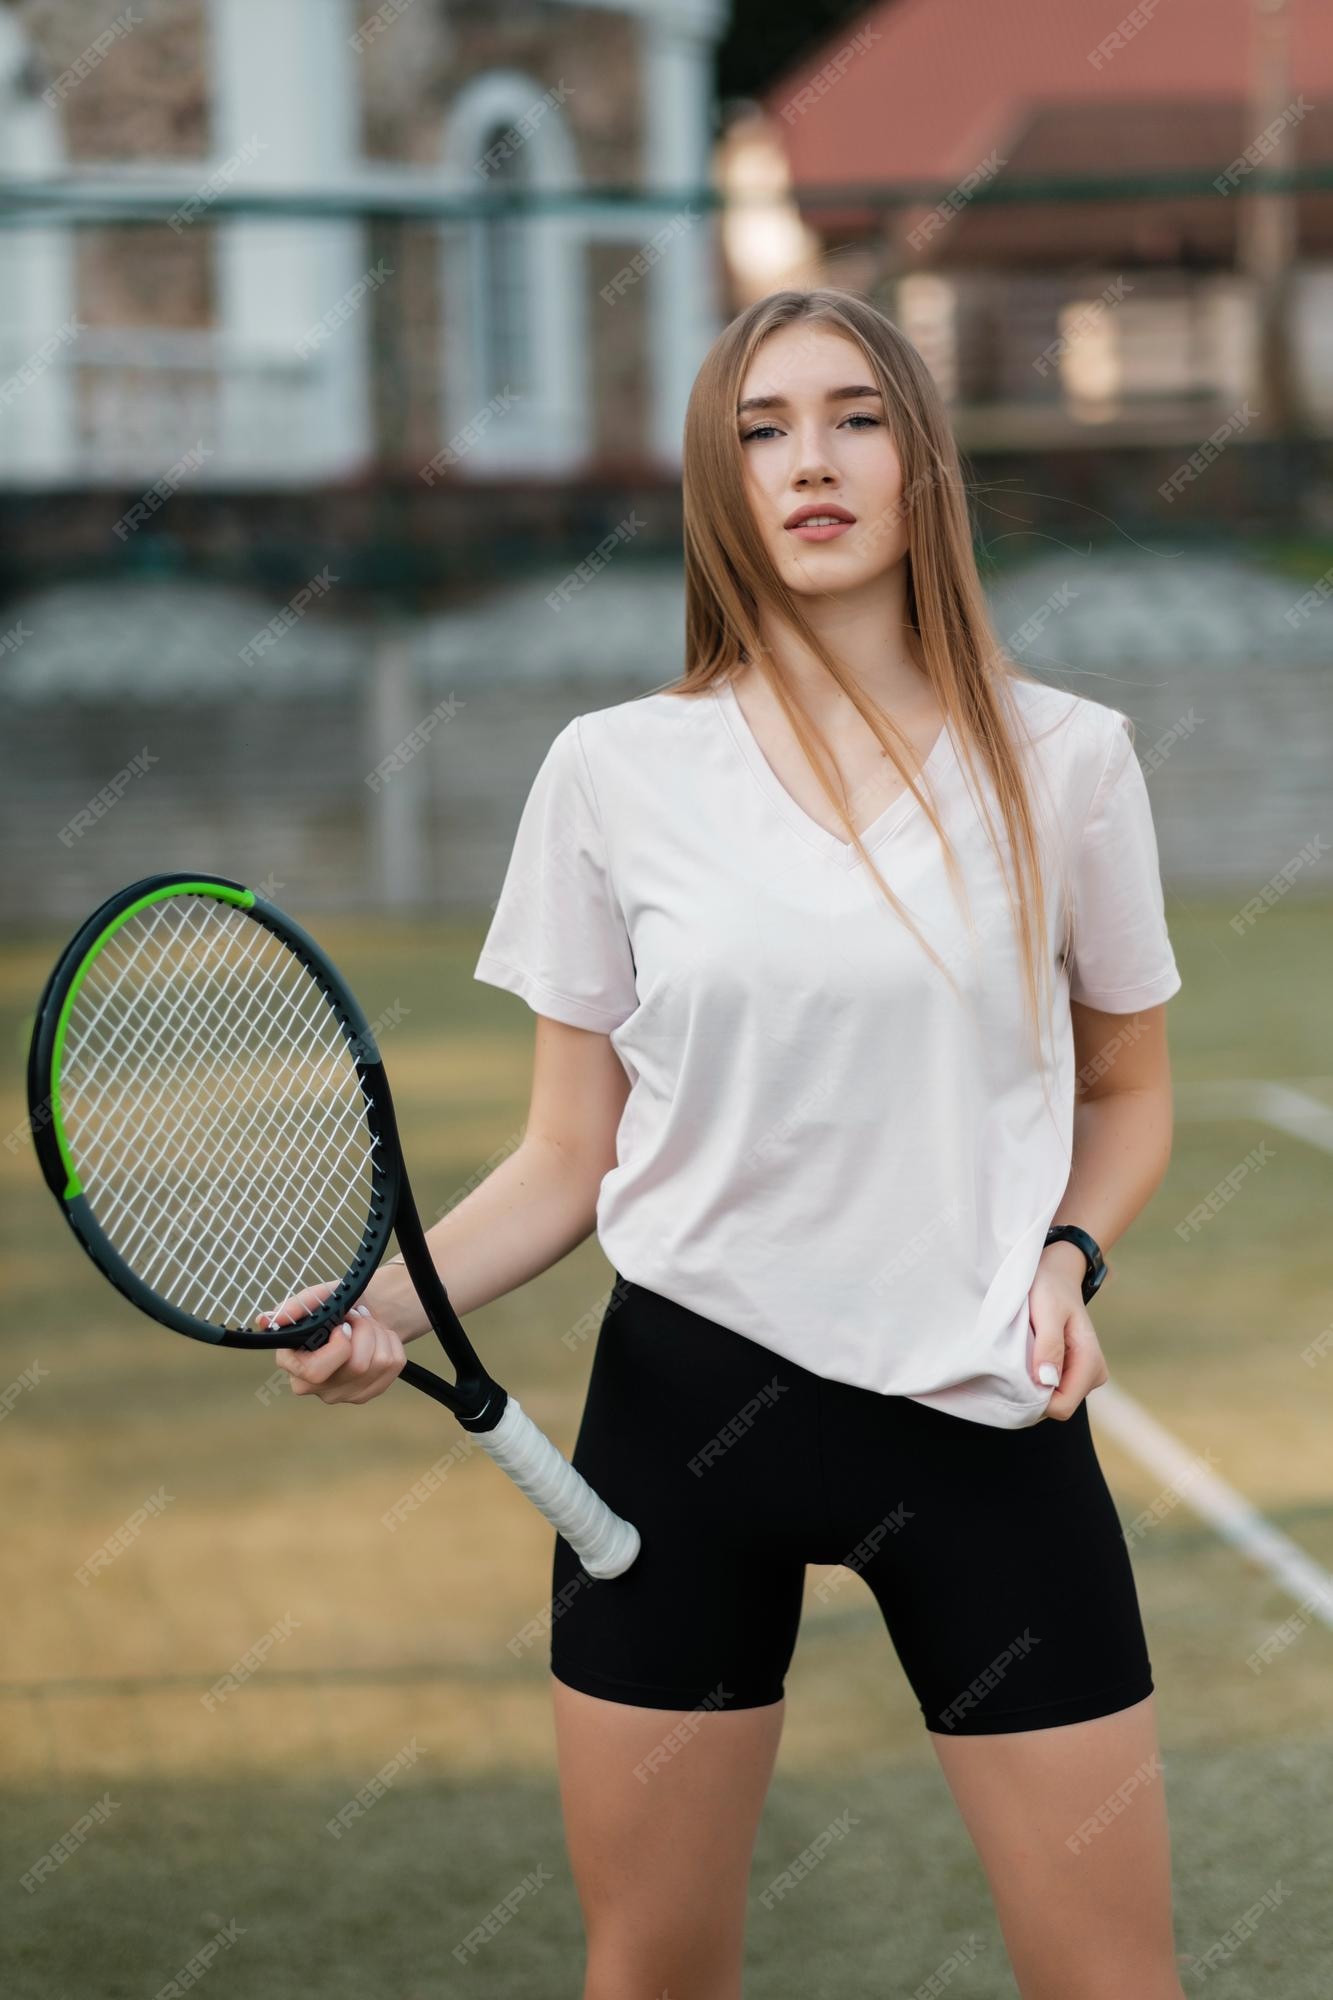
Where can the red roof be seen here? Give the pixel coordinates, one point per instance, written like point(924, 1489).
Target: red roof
point(936, 85)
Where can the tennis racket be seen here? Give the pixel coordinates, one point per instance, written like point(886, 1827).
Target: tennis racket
point(210, 1110)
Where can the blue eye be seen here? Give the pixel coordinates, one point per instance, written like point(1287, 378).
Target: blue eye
point(858, 417)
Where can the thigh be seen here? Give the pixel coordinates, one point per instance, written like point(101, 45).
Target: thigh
point(660, 1811)
point(1007, 1589)
point(1070, 1824)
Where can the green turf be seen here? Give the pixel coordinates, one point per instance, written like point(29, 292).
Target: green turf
point(274, 1513)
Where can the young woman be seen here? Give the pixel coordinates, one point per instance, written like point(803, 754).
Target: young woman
point(849, 961)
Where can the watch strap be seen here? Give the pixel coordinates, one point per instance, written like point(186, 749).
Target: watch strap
point(1069, 1232)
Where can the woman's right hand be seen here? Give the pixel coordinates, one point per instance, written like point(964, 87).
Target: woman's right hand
point(360, 1359)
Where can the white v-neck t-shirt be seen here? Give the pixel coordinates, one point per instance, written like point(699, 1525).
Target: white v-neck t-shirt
point(825, 1147)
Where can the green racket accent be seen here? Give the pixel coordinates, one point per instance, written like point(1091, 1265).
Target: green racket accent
point(243, 898)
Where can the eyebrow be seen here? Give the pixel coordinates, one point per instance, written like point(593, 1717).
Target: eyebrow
point(849, 395)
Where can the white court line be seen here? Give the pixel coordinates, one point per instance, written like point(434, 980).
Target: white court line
point(1221, 1506)
point(1283, 1105)
point(1233, 1517)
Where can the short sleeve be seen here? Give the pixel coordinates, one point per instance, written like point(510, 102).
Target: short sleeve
point(557, 937)
point(1121, 958)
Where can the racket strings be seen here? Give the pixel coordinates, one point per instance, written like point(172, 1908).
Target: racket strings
point(213, 1111)
point(265, 1190)
point(245, 1241)
point(209, 1136)
point(222, 1136)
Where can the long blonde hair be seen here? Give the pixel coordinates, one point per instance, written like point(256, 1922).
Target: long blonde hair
point(729, 574)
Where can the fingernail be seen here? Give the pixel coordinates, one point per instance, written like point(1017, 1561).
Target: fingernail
point(363, 1310)
point(1049, 1374)
point(345, 1328)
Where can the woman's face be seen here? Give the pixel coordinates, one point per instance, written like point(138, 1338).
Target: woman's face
point(815, 440)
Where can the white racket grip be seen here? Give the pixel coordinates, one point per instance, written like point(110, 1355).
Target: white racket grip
point(604, 1544)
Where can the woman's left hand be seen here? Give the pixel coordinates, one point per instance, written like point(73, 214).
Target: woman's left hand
point(1063, 1335)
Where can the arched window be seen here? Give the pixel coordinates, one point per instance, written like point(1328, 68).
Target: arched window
point(513, 362)
point(504, 279)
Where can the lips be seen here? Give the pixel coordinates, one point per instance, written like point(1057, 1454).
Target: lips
point(804, 514)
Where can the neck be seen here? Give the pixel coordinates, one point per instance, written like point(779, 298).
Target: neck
point(867, 630)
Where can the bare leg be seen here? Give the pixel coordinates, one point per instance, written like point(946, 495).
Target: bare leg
point(661, 1851)
point(1071, 1827)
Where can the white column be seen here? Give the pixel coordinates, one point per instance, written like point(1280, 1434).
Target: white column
point(398, 808)
point(286, 88)
point(683, 314)
point(37, 340)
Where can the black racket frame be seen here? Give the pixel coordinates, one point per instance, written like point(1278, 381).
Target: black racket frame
point(475, 1398)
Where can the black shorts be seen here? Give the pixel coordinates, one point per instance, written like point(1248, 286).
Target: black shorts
point(996, 1556)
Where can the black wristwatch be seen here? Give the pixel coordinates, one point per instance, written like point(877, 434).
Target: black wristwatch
point(1069, 1232)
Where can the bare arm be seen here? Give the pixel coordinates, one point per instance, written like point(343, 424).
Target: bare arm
point(1121, 1150)
point(529, 1212)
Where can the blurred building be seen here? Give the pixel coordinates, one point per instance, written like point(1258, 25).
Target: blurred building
point(1048, 316)
point(305, 350)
